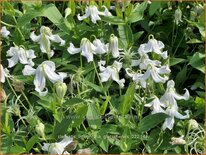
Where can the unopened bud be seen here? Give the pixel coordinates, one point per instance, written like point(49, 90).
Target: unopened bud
point(40, 129)
point(178, 16)
point(193, 124)
point(84, 151)
point(67, 12)
point(61, 89)
point(178, 141)
point(18, 85)
point(113, 46)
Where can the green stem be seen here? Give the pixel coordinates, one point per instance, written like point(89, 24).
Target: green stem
point(26, 99)
point(9, 25)
point(18, 28)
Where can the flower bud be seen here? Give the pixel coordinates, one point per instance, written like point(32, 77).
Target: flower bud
point(84, 151)
point(178, 141)
point(193, 124)
point(61, 89)
point(67, 12)
point(178, 16)
point(2, 95)
point(18, 85)
point(113, 46)
point(40, 129)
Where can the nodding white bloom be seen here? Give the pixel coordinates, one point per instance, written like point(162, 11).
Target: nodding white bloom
point(100, 47)
point(170, 96)
point(155, 105)
point(2, 74)
point(19, 54)
point(178, 16)
point(136, 77)
point(153, 46)
point(44, 40)
point(113, 46)
point(58, 148)
point(4, 32)
point(111, 72)
point(88, 49)
point(155, 72)
point(94, 13)
point(43, 71)
point(178, 141)
point(173, 113)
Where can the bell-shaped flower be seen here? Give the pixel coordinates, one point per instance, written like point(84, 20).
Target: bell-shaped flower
point(45, 38)
point(153, 46)
point(113, 46)
point(100, 47)
point(94, 13)
point(178, 16)
point(155, 105)
point(156, 72)
point(19, 54)
point(173, 113)
point(43, 71)
point(136, 77)
point(170, 96)
point(58, 147)
point(87, 49)
point(4, 32)
point(2, 74)
point(111, 72)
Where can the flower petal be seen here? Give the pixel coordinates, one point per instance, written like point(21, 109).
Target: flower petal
point(34, 37)
point(2, 74)
point(40, 81)
point(28, 70)
point(87, 51)
point(5, 33)
point(86, 15)
point(184, 97)
point(73, 50)
point(56, 38)
point(51, 75)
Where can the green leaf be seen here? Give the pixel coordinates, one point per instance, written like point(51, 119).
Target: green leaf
point(94, 86)
point(175, 61)
point(194, 41)
point(197, 61)
point(125, 141)
point(33, 140)
point(104, 105)
point(137, 13)
point(80, 114)
point(73, 101)
point(126, 35)
point(17, 150)
point(61, 128)
point(113, 20)
point(101, 139)
point(153, 7)
point(127, 100)
point(93, 116)
point(151, 121)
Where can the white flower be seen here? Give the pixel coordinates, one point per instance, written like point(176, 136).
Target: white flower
point(44, 40)
point(111, 72)
point(43, 71)
point(156, 106)
point(170, 96)
point(178, 141)
point(87, 49)
point(193, 124)
point(136, 77)
point(113, 46)
point(93, 12)
point(153, 46)
point(173, 113)
point(2, 74)
point(58, 148)
point(67, 12)
point(100, 47)
point(18, 54)
point(4, 32)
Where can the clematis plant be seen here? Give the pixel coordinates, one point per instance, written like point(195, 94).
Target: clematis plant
point(94, 13)
point(4, 32)
point(111, 72)
point(45, 70)
point(45, 38)
point(19, 54)
point(58, 147)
